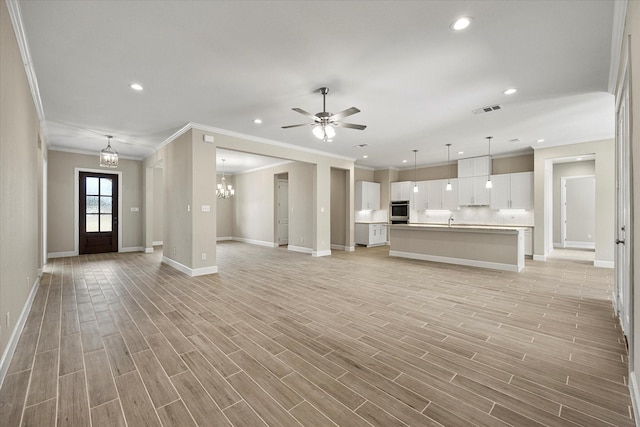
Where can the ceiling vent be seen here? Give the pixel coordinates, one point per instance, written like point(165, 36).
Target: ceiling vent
point(361, 145)
point(514, 140)
point(487, 109)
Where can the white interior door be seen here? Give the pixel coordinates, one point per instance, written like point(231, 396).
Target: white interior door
point(624, 233)
point(283, 212)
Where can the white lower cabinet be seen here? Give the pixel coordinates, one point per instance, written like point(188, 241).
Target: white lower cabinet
point(371, 234)
point(528, 241)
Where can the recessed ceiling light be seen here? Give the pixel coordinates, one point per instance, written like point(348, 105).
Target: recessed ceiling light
point(404, 161)
point(365, 157)
point(510, 91)
point(136, 86)
point(257, 121)
point(540, 140)
point(461, 23)
point(460, 152)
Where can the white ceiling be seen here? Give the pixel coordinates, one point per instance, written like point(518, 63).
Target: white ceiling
point(225, 63)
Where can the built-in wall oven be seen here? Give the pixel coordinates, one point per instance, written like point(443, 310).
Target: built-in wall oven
point(399, 212)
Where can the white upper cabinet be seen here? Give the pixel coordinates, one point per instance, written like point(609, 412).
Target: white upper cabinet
point(433, 195)
point(450, 198)
point(420, 199)
point(367, 196)
point(475, 166)
point(472, 191)
point(401, 191)
point(512, 191)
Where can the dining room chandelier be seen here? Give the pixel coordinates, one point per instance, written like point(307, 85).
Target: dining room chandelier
point(108, 156)
point(224, 191)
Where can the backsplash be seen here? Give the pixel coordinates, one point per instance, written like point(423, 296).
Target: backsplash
point(371, 216)
point(474, 215)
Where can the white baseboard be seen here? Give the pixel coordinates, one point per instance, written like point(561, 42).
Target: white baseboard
point(579, 245)
point(132, 249)
point(539, 257)
point(604, 264)
point(300, 249)
point(350, 248)
point(337, 247)
point(321, 253)
point(17, 331)
point(157, 243)
point(256, 242)
point(635, 395)
point(558, 245)
point(148, 250)
point(61, 254)
point(458, 261)
point(192, 272)
point(223, 238)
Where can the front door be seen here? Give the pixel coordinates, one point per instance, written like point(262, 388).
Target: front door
point(98, 214)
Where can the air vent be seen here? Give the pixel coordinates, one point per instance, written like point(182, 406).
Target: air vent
point(361, 145)
point(487, 109)
point(514, 140)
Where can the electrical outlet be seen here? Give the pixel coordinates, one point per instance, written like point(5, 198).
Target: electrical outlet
point(28, 282)
point(174, 250)
point(204, 256)
point(301, 239)
point(8, 321)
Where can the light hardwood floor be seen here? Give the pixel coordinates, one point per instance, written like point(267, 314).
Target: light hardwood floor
point(283, 339)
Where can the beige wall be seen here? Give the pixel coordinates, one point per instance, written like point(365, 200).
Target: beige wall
point(385, 177)
point(521, 163)
point(225, 210)
point(339, 207)
point(605, 194)
point(176, 184)
point(21, 163)
point(61, 195)
point(254, 204)
point(561, 170)
point(158, 205)
point(364, 174)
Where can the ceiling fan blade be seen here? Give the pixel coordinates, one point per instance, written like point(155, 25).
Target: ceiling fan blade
point(295, 126)
point(306, 113)
point(349, 125)
point(343, 114)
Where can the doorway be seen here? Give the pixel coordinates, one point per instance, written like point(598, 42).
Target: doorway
point(282, 211)
point(97, 213)
point(578, 212)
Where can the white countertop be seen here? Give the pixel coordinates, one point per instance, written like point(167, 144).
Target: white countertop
point(372, 222)
point(459, 227)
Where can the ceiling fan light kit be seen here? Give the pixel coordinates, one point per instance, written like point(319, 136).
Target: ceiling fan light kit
point(324, 123)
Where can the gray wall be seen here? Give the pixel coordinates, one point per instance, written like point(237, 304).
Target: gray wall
point(561, 170)
point(61, 195)
point(21, 166)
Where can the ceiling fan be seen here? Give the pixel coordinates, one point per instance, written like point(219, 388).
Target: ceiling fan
point(325, 122)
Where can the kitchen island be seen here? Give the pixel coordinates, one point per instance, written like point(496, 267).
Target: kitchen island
point(496, 247)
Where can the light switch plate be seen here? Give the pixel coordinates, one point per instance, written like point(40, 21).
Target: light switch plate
point(206, 208)
point(135, 209)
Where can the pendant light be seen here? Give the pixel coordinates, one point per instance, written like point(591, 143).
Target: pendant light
point(415, 183)
point(224, 191)
point(449, 188)
point(489, 184)
point(108, 156)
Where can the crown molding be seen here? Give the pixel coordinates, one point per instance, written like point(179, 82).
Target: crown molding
point(18, 27)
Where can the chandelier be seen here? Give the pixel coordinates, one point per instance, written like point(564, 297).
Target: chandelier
point(224, 191)
point(109, 156)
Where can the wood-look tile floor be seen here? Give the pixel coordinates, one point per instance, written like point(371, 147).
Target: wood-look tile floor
point(279, 338)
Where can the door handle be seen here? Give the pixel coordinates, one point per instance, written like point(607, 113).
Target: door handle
point(618, 241)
